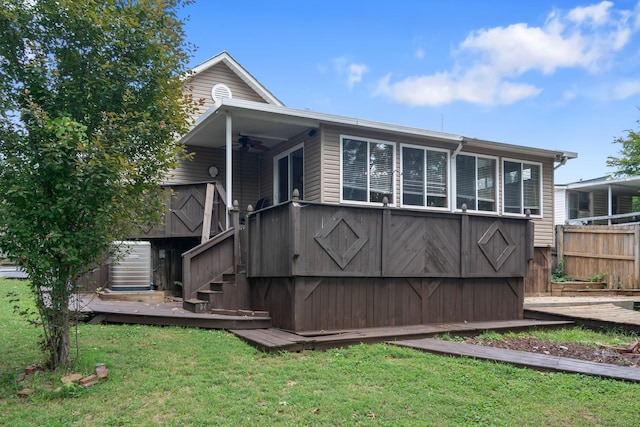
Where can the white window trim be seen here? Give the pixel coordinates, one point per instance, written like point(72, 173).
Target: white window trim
point(392, 202)
point(540, 184)
point(426, 148)
point(454, 183)
point(276, 179)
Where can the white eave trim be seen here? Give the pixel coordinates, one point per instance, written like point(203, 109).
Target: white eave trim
point(317, 118)
point(311, 118)
point(540, 152)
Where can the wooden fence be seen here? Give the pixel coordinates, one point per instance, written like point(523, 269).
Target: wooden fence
point(592, 250)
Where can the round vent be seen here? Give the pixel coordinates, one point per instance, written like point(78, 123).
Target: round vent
point(220, 91)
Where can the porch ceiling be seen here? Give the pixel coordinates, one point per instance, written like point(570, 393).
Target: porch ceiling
point(269, 128)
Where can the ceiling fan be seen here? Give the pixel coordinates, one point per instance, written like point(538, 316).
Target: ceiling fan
point(246, 143)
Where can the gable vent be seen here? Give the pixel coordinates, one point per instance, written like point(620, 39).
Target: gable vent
point(220, 91)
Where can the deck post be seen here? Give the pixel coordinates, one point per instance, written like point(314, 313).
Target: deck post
point(235, 221)
point(386, 232)
point(464, 241)
point(636, 257)
point(295, 229)
point(560, 244)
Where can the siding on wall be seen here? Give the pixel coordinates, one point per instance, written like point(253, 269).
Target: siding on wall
point(331, 170)
point(600, 200)
point(559, 206)
point(313, 168)
point(625, 205)
point(311, 146)
point(203, 82)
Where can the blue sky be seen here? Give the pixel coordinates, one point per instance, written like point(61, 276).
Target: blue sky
point(562, 75)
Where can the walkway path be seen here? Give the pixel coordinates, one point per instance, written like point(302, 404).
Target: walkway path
point(523, 358)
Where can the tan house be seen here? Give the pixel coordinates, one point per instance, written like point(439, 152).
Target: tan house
point(389, 224)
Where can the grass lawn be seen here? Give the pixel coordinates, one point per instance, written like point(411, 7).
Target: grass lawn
point(171, 376)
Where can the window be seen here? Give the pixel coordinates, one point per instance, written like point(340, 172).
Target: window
point(578, 202)
point(522, 187)
point(476, 182)
point(289, 174)
point(367, 170)
point(424, 177)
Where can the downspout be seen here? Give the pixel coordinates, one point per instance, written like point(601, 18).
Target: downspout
point(452, 167)
point(458, 149)
point(229, 166)
point(563, 161)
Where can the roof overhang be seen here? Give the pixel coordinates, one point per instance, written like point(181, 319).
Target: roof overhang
point(274, 124)
point(628, 185)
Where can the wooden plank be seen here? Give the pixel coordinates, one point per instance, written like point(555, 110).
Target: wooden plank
point(590, 229)
point(636, 257)
point(601, 256)
point(273, 339)
point(208, 209)
point(592, 316)
point(522, 358)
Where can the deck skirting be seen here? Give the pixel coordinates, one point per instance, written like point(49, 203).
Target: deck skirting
point(331, 303)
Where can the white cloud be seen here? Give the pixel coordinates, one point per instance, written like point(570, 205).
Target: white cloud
point(489, 62)
point(354, 73)
point(419, 54)
point(598, 14)
point(626, 89)
point(352, 70)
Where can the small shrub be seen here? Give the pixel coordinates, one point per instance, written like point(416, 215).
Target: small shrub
point(558, 274)
point(598, 277)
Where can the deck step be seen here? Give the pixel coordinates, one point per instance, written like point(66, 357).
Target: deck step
point(239, 312)
point(565, 288)
point(218, 285)
point(214, 298)
point(195, 305)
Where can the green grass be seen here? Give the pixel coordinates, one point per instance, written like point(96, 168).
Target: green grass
point(190, 377)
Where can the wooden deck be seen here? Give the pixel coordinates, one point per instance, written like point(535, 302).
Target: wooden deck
point(274, 340)
point(97, 310)
point(595, 316)
point(523, 358)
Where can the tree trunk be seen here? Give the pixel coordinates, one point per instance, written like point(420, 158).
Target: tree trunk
point(60, 343)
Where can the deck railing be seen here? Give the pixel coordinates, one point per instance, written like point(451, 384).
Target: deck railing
point(191, 210)
point(310, 239)
point(619, 219)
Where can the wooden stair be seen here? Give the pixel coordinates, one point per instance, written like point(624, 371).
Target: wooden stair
point(219, 297)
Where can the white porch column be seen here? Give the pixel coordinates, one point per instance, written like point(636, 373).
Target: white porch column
point(229, 165)
point(609, 203)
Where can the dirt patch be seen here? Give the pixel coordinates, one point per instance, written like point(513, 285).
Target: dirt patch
point(600, 353)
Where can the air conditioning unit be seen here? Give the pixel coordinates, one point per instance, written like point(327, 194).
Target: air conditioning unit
point(130, 270)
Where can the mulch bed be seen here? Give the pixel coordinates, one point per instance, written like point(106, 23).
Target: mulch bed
point(623, 356)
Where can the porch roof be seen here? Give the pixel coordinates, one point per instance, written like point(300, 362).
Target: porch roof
point(273, 124)
point(627, 185)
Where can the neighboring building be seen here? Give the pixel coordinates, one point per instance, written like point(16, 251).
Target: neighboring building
point(467, 265)
point(598, 201)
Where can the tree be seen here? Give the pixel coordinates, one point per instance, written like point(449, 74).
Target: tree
point(91, 97)
point(628, 164)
